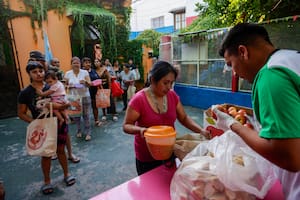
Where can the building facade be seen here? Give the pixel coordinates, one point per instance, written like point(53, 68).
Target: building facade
point(167, 16)
point(20, 34)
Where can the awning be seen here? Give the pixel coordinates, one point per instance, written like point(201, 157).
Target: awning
point(178, 10)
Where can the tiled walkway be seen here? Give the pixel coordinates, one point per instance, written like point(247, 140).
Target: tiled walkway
point(106, 161)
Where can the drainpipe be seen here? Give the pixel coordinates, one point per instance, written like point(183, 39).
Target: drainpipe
point(17, 61)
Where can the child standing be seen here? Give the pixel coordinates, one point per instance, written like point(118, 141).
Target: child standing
point(57, 93)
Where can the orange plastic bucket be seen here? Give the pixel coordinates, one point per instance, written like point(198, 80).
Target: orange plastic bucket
point(160, 141)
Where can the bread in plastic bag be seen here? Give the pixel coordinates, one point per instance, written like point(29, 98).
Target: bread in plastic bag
point(226, 161)
point(186, 143)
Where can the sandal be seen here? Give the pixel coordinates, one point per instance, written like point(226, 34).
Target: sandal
point(47, 189)
point(74, 159)
point(99, 123)
point(70, 180)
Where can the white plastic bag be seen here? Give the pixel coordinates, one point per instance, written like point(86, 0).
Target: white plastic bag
point(41, 137)
point(255, 176)
point(131, 91)
point(224, 167)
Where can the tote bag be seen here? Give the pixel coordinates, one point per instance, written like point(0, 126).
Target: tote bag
point(103, 98)
point(116, 89)
point(75, 109)
point(41, 137)
point(131, 91)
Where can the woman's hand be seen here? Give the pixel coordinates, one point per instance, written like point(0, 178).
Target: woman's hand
point(39, 92)
point(82, 82)
point(142, 131)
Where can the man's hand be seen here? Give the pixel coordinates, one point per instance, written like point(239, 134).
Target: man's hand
point(224, 121)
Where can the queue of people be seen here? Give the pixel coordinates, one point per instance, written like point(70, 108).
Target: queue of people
point(51, 81)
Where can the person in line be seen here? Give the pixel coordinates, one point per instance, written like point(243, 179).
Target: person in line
point(134, 69)
point(117, 69)
point(113, 76)
point(78, 80)
point(106, 81)
point(109, 67)
point(275, 74)
point(57, 93)
point(86, 64)
point(55, 66)
point(157, 104)
point(127, 78)
point(38, 56)
point(27, 99)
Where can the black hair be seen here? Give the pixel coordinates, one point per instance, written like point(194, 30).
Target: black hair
point(126, 65)
point(32, 65)
point(51, 74)
point(37, 55)
point(161, 69)
point(85, 59)
point(243, 34)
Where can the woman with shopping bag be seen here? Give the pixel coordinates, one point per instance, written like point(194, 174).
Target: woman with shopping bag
point(78, 81)
point(103, 96)
point(95, 83)
point(28, 99)
point(127, 84)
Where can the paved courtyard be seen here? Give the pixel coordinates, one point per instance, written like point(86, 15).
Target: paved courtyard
point(106, 161)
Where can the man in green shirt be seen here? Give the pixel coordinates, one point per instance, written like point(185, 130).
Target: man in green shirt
point(275, 75)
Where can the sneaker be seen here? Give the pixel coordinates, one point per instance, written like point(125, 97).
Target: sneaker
point(88, 137)
point(79, 135)
point(115, 118)
point(103, 118)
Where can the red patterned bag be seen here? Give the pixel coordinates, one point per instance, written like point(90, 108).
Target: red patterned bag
point(103, 98)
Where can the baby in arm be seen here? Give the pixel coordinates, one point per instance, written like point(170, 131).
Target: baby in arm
point(57, 93)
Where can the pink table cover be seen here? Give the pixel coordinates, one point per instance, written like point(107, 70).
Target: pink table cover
point(156, 185)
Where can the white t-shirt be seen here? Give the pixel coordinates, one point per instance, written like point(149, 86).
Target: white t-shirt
point(74, 80)
point(126, 77)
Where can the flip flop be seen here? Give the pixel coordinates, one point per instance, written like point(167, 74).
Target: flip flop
point(70, 180)
point(74, 159)
point(47, 189)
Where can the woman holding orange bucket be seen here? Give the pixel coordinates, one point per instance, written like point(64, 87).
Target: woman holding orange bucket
point(155, 105)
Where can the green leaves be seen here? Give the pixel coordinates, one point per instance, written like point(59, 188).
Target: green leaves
point(151, 38)
point(225, 13)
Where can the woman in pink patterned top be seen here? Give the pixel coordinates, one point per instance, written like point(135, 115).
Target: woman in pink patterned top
point(157, 104)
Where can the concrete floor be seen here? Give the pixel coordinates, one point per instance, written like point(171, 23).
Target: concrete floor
point(106, 161)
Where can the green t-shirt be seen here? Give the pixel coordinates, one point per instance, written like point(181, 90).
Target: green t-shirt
point(276, 96)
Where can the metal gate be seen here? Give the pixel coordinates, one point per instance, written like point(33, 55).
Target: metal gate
point(9, 83)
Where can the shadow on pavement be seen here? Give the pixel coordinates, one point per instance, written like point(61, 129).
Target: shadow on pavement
point(106, 161)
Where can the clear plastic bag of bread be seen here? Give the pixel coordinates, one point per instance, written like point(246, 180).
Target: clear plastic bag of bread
point(186, 143)
point(222, 168)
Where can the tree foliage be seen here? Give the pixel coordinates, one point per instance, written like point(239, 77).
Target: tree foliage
point(224, 13)
point(151, 38)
